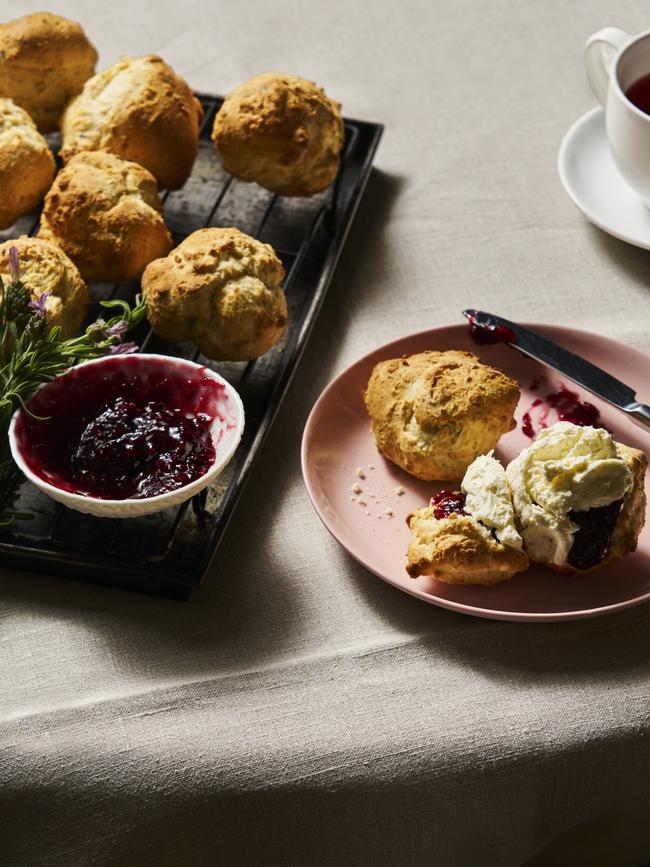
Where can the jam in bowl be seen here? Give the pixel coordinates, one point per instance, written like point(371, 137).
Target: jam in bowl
point(127, 435)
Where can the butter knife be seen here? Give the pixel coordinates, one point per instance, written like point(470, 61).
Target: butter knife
point(575, 368)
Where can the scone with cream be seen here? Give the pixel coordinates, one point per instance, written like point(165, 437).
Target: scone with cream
point(44, 61)
point(281, 131)
point(45, 268)
point(468, 536)
point(141, 110)
point(433, 413)
point(222, 290)
point(26, 164)
point(579, 497)
point(106, 214)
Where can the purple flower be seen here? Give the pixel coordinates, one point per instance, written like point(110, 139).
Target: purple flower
point(124, 348)
point(119, 328)
point(39, 303)
point(14, 264)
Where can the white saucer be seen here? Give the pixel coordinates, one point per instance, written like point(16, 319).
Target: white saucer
point(592, 180)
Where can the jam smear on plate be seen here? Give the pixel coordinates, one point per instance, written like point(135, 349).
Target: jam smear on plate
point(123, 431)
point(567, 406)
point(527, 425)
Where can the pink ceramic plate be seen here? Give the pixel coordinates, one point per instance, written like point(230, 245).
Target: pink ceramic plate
point(371, 525)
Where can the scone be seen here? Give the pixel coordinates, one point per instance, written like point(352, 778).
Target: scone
point(434, 412)
point(105, 213)
point(44, 61)
point(26, 164)
point(222, 290)
point(468, 536)
point(281, 131)
point(579, 497)
point(140, 110)
point(44, 267)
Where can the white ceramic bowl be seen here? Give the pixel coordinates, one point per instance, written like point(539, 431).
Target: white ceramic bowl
point(226, 432)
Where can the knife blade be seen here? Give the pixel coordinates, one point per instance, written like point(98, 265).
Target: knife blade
point(573, 366)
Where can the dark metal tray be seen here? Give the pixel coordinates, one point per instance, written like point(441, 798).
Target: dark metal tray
point(169, 553)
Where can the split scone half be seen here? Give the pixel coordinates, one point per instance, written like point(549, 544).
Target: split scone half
point(579, 497)
point(468, 536)
point(574, 500)
point(433, 413)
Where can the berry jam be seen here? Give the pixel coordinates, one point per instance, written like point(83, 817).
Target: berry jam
point(446, 503)
point(133, 451)
point(566, 405)
point(591, 541)
point(569, 407)
point(484, 334)
point(128, 427)
point(527, 425)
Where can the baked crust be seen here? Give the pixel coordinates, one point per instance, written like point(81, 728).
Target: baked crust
point(459, 550)
point(105, 213)
point(26, 164)
point(433, 413)
point(141, 110)
point(44, 267)
point(44, 61)
point(281, 131)
point(222, 290)
point(631, 518)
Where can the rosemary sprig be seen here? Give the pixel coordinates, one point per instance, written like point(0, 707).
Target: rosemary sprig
point(32, 352)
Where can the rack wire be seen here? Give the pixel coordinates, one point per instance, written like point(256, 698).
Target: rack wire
point(170, 552)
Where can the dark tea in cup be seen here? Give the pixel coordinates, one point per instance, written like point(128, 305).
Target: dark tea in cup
point(639, 93)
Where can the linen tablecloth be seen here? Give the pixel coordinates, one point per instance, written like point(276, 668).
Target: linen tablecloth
point(297, 710)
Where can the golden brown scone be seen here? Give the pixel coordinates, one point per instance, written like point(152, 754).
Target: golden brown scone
point(459, 550)
point(105, 213)
point(281, 131)
point(631, 518)
point(140, 110)
point(26, 164)
point(44, 267)
point(222, 290)
point(44, 61)
point(433, 413)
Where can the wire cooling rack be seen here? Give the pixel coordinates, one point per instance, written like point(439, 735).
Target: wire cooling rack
point(169, 553)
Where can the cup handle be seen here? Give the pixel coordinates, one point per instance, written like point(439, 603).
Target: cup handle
point(599, 51)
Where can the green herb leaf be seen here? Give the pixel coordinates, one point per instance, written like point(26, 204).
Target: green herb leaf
point(32, 353)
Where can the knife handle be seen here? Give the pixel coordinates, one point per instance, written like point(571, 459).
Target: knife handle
point(639, 413)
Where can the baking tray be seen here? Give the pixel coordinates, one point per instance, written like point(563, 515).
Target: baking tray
point(169, 553)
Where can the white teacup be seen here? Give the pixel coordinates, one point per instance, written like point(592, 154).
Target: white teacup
point(615, 61)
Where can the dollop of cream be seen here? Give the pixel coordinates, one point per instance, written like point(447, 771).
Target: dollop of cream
point(488, 499)
point(568, 468)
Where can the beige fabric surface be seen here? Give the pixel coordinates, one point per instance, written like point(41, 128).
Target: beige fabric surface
point(297, 710)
